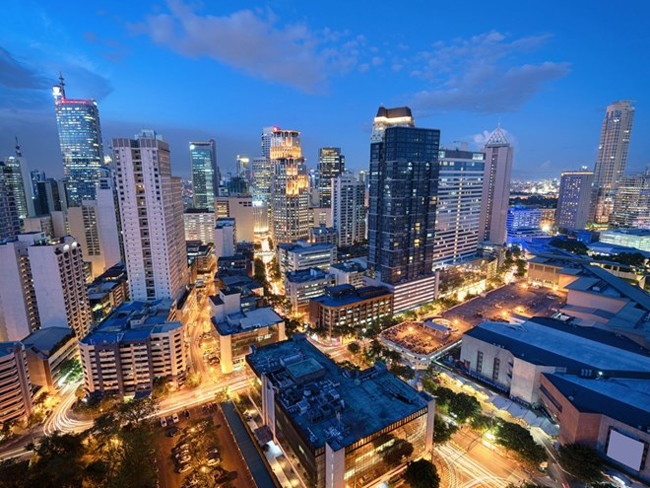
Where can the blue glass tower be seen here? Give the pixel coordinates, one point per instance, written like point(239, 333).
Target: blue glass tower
point(80, 138)
point(205, 173)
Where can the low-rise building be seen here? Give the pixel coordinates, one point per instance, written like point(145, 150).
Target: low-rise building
point(137, 344)
point(348, 273)
point(107, 292)
point(201, 261)
point(301, 255)
point(301, 286)
point(636, 238)
point(344, 308)
point(16, 398)
point(322, 235)
point(47, 350)
point(344, 428)
point(417, 342)
point(408, 295)
point(239, 326)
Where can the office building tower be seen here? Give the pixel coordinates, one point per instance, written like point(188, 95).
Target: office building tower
point(496, 187)
point(302, 255)
point(331, 163)
point(632, 202)
point(240, 208)
point(151, 212)
point(9, 218)
point(224, 237)
point(390, 117)
point(403, 189)
point(137, 344)
point(18, 179)
point(289, 189)
point(458, 210)
point(205, 173)
point(348, 210)
point(344, 428)
point(612, 158)
point(50, 197)
point(94, 225)
point(80, 138)
point(323, 234)
point(284, 144)
point(574, 200)
point(16, 400)
point(244, 167)
point(261, 191)
point(199, 225)
point(35, 176)
point(301, 286)
point(523, 222)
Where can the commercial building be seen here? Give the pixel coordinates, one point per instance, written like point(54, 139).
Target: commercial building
point(348, 273)
point(301, 286)
point(50, 197)
point(345, 308)
point(417, 342)
point(344, 428)
point(202, 263)
point(80, 138)
point(458, 207)
point(496, 187)
point(151, 211)
point(205, 174)
point(199, 225)
point(289, 200)
point(244, 167)
point(240, 326)
point(303, 255)
point(635, 238)
point(612, 158)
point(261, 193)
point(574, 200)
point(224, 237)
point(107, 292)
point(331, 163)
point(47, 350)
point(9, 218)
point(16, 400)
point(137, 344)
point(523, 222)
point(18, 181)
point(320, 216)
point(348, 196)
point(322, 235)
point(240, 208)
point(632, 202)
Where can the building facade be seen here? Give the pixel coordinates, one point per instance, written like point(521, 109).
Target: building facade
point(80, 138)
point(261, 193)
point(199, 225)
point(523, 222)
point(302, 255)
point(47, 350)
point(348, 196)
point(16, 399)
point(9, 218)
point(632, 202)
point(18, 181)
point(331, 163)
point(635, 238)
point(301, 286)
point(289, 200)
point(205, 174)
point(240, 208)
point(574, 200)
point(224, 238)
point(151, 212)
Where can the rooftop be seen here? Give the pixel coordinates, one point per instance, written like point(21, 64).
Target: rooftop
point(45, 339)
point(631, 232)
point(394, 112)
point(301, 246)
point(8, 347)
point(327, 403)
point(245, 321)
point(550, 342)
point(342, 295)
point(349, 267)
point(306, 275)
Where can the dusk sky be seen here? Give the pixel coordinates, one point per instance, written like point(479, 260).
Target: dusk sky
point(192, 71)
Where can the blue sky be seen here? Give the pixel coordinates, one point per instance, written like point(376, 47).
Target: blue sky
point(226, 69)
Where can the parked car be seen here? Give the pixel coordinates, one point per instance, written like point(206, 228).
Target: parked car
point(175, 418)
point(182, 468)
point(163, 422)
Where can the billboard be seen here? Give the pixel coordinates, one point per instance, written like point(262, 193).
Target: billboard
point(625, 450)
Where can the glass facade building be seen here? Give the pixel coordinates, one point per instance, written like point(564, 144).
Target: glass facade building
point(205, 173)
point(80, 138)
point(331, 163)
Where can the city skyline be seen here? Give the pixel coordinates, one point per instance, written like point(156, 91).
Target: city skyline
point(546, 65)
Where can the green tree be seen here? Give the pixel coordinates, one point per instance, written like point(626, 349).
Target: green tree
point(13, 474)
point(463, 407)
point(58, 462)
point(354, 348)
point(518, 440)
point(71, 370)
point(443, 395)
point(136, 411)
point(583, 462)
point(422, 474)
point(572, 245)
point(442, 431)
point(481, 423)
point(403, 371)
point(521, 268)
point(193, 380)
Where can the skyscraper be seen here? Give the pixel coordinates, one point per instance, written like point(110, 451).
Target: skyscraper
point(80, 138)
point(458, 210)
point(574, 199)
point(151, 210)
point(403, 189)
point(205, 173)
point(331, 163)
point(244, 167)
point(348, 210)
point(632, 202)
point(496, 187)
point(9, 219)
point(261, 190)
point(612, 157)
point(18, 178)
point(289, 186)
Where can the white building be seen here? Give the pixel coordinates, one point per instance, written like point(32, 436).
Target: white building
point(348, 273)
point(301, 286)
point(348, 209)
point(152, 223)
point(199, 225)
point(240, 208)
point(16, 398)
point(303, 255)
point(224, 238)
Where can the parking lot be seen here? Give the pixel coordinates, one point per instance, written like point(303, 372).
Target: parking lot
point(513, 300)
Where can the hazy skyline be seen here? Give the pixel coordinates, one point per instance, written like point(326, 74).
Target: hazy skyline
point(192, 73)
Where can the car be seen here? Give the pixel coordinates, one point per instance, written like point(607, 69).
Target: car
point(187, 414)
point(175, 418)
point(172, 432)
point(182, 468)
point(183, 458)
point(213, 461)
point(163, 422)
point(181, 448)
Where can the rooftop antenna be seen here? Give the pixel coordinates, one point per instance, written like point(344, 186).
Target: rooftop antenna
point(62, 84)
point(19, 153)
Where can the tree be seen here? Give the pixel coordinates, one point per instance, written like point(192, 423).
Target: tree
point(463, 406)
point(403, 371)
point(354, 347)
point(193, 380)
point(13, 474)
point(521, 268)
point(396, 452)
point(58, 462)
point(442, 431)
point(70, 370)
point(422, 474)
point(136, 411)
point(572, 245)
point(481, 423)
point(443, 395)
point(583, 462)
point(518, 440)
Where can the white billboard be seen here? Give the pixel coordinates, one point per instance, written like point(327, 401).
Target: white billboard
point(625, 450)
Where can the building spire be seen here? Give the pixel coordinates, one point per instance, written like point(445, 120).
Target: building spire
point(19, 153)
point(62, 84)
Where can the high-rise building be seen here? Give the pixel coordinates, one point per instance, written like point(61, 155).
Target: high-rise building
point(632, 202)
point(523, 222)
point(9, 218)
point(458, 210)
point(151, 211)
point(224, 237)
point(50, 197)
point(18, 178)
point(496, 187)
point(80, 138)
point(612, 158)
point(331, 163)
point(261, 190)
point(348, 196)
point(240, 208)
point(205, 173)
point(403, 189)
point(574, 199)
point(244, 167)
point(16, 400)
point(94, 225)
point(199, 225)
